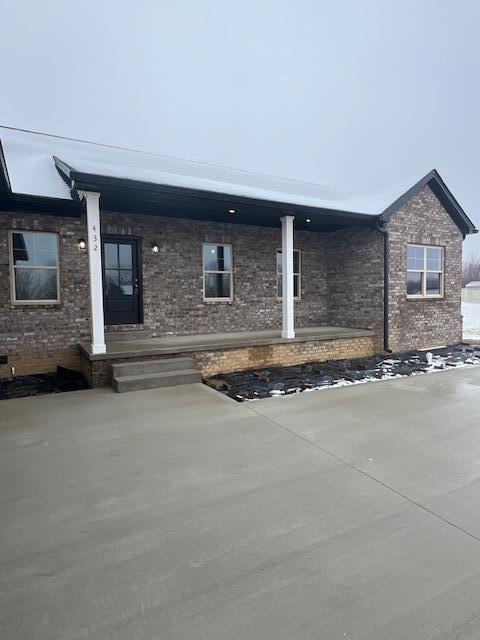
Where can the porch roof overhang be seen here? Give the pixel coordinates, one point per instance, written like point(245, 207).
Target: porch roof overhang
point(120, 194)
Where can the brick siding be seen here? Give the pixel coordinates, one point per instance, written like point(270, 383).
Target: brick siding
point(173, 278)
point(423, 323)
point(355, 270)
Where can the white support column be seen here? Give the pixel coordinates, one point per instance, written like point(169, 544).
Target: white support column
point(95, 270)
point(288, 325)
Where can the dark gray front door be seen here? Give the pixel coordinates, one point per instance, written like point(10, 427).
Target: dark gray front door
point(121, 280)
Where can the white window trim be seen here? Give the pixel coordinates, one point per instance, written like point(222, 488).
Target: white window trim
point(424, 295)
point(217, 244)
point(13, 267)
point(295, 273)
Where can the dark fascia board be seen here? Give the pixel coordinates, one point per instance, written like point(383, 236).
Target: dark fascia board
point(5, 185)
point(443, 193)
point(48, 206)
point(90, 182)
point(64, 169)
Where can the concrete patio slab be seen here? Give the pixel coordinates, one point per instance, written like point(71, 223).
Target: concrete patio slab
point(178, 514)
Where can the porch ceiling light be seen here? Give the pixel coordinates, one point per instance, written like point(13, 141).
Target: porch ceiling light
point(232, 211)
point(82, 245)
point(155, 248)
point(307, 220)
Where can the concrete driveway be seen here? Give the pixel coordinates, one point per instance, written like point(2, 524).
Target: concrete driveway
point(178, 514)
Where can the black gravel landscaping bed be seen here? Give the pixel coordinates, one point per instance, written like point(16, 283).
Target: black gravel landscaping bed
point(42, 383)
point(279, 381)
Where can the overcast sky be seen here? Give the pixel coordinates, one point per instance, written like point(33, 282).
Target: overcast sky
point(355, 95)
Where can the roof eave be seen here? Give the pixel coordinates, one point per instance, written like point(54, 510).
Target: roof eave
point(90, 182)
point(443, 193)
point(5, 184)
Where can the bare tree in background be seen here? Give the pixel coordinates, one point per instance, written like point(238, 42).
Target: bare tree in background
point(471, 269)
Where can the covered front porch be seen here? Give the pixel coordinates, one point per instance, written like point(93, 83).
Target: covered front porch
point(215, 353)
point(293, 282)
point(336, 294)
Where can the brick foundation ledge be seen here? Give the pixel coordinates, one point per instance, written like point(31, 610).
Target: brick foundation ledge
point(214, 360)
point(211, 363)
point(31, 361)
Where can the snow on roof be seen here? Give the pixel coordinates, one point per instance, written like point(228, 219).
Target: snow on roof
point(29, 159)
point(475, 284)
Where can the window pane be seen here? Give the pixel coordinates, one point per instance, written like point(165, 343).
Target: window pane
point(125, 255)
point(217, 285)
point(434, 284)
point(279, 286)
point(415, 257)
point(45, 242)
point(217, 257)
point(295, 286)
point(45, 249)
point(227, 258)
point(35, 284)
point(111, 256)
point(414, 283)
point(296, 282)
point(220, 259)
point(23, 249)
point(34, 249)
point(209, 257)
point(46, 258)
point(112, 283)
point(434, 258)
point(296, 261)
point(126, 284)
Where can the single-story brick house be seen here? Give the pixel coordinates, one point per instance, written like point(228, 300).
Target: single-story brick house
point(109, 255)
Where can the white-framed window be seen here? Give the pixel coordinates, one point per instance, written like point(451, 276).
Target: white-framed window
point(34, 267)
point(425, 265)
point(297, 270)
point(217, 272)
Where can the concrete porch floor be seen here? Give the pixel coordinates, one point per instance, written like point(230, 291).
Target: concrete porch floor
point(139, 346)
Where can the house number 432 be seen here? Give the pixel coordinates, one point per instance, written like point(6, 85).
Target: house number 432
point(94, 238)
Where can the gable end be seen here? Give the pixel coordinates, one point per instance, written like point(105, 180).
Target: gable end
point(443, 194)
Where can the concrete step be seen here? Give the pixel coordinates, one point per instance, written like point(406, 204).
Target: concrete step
point(160, 365)
point(142, 381)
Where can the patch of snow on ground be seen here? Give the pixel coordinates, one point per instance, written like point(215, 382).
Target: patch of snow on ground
point(437, 364)
point(471, 320)
point(280, 381)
